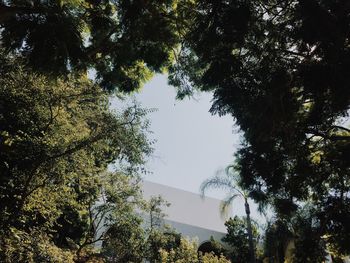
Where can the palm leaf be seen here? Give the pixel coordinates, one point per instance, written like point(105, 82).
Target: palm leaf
point(217, 182)
point(225, 205)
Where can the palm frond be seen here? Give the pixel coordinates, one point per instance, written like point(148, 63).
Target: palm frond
point(217, 182)
point(232, 173)
point(225, 205)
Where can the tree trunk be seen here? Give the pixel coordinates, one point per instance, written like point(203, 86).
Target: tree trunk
point(250, 232)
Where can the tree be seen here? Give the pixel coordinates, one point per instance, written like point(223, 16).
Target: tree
point(157, 240)
point(238, 238)
point(124, 241)
point(154, 210)
point(212, 247)
point(158, 234)
point(113, 221)
point(229, 182)
point(19, 246)
point(309, 243)
point(57, 139)
point(130, 237)
point(278, 236)
point(280, 69)
point(187, 252)
point(295, 239)
point(123, 42)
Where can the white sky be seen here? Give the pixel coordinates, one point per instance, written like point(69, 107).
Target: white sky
point(191, 144)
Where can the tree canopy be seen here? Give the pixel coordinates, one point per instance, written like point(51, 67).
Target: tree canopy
point(296, 238)
point(238, 239)
point(280, 68)
point(123, 42)
point(187, 252)
point(57, 139)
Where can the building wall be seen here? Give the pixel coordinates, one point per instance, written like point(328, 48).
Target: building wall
point(188, 213)
point(200, 234)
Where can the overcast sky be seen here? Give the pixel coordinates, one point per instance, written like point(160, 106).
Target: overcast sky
point(191, 144)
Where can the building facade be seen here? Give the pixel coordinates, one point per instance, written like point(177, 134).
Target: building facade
point(188, 213)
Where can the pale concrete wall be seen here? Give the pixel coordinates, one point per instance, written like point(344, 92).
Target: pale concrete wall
point(188, 208)
point(188, 213)
point(200, 234)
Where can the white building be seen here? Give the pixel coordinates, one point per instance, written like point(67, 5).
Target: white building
point(188, 213)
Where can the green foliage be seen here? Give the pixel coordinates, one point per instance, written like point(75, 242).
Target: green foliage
point(280, 68)
point(122, 41)
point(229, 182)
point(112, 221)
point(309, 245)
point(124, 241)
point(278, 235)
point(238, 239)
point(210, 258)
point(212, 247)
point(58, 196)
point(131, 239)
point(19, 246)
point(225, 180)
point(296, 239)
point(158, 235)
point(154, 209)
point(165, 239)
point(186, 252)
point(57, 139)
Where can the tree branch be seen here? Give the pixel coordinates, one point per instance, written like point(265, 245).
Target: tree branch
point(328, 136)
